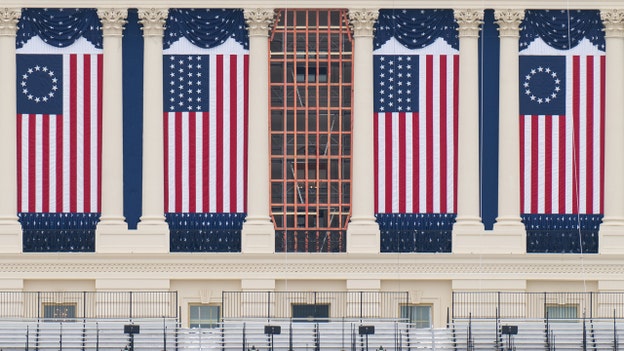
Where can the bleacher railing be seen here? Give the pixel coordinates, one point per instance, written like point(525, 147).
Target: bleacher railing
point(344, 304)
point(534, 305)
point(67, 305)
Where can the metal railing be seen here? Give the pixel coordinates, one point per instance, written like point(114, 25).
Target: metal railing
point(68, 305)
point(339, 304)
point(95, 335)
point(534, 305)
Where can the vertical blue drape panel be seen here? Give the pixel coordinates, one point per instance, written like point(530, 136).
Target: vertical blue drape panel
point(59, 232)
point(562, 233)
point(489, 61)
point(416, 232)
point(205, 232)
point(132, 64)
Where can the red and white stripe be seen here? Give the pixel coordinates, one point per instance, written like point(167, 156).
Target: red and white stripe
point(205, 156)
point(59, 161)
point(416, 152)
point(562, 163)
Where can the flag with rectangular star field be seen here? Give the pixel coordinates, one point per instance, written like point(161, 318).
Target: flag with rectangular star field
point(415, 112)
point(205, 82)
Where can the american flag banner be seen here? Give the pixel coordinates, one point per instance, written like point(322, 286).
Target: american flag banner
point(205, 122)
point(562, 111)
point(59, 112)
point(415, 123)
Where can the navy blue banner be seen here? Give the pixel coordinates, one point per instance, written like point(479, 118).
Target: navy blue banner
point(59, 27)
point(416, 29)
point(206, 28)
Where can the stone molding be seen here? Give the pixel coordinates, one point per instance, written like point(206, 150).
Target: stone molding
point(613, 21)
point(153, 21)
point(259, 268)
point(398, 4)
point(9, 17)
point(362, 21)
point(259, 21)
point(509, 21)
point(469, 21)
point(113, 21)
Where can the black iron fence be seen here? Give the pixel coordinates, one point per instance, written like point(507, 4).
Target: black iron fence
point(311, 305)
point(69, 305)
point(537, 305)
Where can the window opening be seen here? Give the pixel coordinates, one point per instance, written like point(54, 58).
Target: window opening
point(59, 312)
point(417, 315)
point(204, 316)
point(563, 312)
point(311, 70)
point(310, 312)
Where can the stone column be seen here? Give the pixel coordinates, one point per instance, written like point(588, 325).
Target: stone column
point(612, 228)
point(112, 218)
point(363, 231)
point(152, 219)
point(468, 186)
point(258, 233)
point(508, 221)
point(10, 229)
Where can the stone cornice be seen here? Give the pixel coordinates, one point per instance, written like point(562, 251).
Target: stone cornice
point(321, 266)
point(153, 21)
point(362, 21)
point(398, 4)
point(469, 21)
point(8, 21)
point(113, 21)
point(509, 21)
point(259, 21)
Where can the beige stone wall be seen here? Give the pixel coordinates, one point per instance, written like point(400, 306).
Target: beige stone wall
point(482, 261)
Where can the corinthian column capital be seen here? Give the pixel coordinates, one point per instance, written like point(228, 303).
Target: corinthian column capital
point(259, 21)
point(153, 21)
point(508, 21)
point(362, 21)
point(613, 21)
point(113, 21)
point(8, 21)
point(469, 21)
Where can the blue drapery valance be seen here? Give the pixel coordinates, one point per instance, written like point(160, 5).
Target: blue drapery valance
point(416, 29)
point(562, 233)
point(206, 28)
point(58, 232)
point(205, 232)
point(416, 232)
point(59, 27)
point(562, 29)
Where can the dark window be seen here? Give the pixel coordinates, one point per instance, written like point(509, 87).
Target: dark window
point(310, 312)
point(61, 312)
